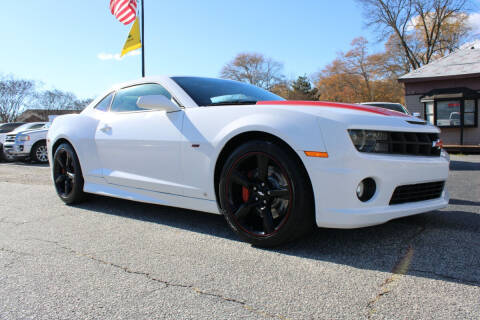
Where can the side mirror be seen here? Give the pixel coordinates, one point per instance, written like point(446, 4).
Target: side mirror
point(416, 114)
point(157, 102)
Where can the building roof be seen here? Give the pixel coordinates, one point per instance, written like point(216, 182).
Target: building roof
point(42, 114)
point(462, 63)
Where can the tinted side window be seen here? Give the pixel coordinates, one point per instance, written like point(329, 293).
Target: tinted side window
point(105, 103)
point(126, 99)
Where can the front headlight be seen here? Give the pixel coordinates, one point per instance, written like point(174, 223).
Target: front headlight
point(369, 140)
point(23, 138)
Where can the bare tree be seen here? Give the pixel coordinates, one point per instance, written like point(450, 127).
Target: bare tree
point(254, 68)
point(54, 100)
point(424, 28)
point(14, 95)
point(395, 63)
point(358, 61)
point(80, 104)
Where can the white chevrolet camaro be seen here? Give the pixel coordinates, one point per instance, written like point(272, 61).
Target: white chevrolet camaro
point(273, 168)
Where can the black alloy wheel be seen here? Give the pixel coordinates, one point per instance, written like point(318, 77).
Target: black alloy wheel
point(67, 174)
point(265, 194)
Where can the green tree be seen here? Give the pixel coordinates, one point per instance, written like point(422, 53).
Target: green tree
point(302, 89)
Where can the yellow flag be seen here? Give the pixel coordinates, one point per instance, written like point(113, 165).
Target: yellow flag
point(133, 41)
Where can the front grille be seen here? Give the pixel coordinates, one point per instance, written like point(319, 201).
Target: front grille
point(409, 143)
point(417, 192)
point(10, 138)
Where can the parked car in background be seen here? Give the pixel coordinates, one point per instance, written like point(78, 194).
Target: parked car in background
point(4, 129)
point(388, 105)
point(453, 120)
point(11, 134)
point(30, 144)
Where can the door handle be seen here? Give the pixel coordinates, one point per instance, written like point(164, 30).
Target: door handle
point(106, 128)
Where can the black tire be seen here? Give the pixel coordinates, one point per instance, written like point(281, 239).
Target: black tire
point(6, 157)
point(39, 152)
point(67, 175)
point(265, 194)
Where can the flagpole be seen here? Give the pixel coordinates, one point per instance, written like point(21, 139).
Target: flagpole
point(143, 44)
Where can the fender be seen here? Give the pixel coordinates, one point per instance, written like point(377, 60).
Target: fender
point(301, 131)
point(81, 137)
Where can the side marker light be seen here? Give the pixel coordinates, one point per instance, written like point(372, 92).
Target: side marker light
point(316, 154)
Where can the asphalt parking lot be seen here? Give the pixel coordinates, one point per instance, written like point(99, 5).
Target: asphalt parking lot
point(110, 258)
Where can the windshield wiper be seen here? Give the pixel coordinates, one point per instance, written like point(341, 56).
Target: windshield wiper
point(226, 103)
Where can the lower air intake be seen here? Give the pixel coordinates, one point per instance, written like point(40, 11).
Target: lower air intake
point(417, 192)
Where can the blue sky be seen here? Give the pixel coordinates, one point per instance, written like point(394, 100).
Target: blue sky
point(59, 42)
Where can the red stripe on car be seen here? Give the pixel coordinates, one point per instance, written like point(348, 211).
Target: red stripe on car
point(357, 107)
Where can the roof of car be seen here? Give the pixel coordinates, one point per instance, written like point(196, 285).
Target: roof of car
point(157, 78)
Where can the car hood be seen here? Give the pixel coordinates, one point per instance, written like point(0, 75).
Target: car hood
point(354, 115)
point(32, 131)
point(335, 107)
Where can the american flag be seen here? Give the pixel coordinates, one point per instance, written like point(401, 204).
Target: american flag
point(124, 10)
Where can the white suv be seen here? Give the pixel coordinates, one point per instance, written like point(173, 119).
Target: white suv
point(28, 142)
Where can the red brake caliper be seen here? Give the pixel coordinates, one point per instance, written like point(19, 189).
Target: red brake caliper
point(245, 194)
point(245, 191)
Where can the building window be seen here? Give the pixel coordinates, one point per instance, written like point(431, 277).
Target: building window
point(448, 113)
point(469, 113)
point(452, 113)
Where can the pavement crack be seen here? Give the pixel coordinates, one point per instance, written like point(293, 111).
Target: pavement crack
point(398, 271)
point(164, 282)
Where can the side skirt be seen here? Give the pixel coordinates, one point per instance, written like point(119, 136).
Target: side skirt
point(147, 196)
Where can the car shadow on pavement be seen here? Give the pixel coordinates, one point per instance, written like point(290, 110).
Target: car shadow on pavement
point(456, 165)
point(461, 202)
point(441, 245)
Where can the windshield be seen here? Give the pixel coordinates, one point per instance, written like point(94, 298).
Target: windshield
point(210, 91)
point(390, 106)
point(7, 127)
point(29, 126)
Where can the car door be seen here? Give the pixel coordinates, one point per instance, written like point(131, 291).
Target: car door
point(140, 148)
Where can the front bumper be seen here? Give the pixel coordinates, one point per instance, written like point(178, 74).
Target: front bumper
point(17, 149)
point(335, 180)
